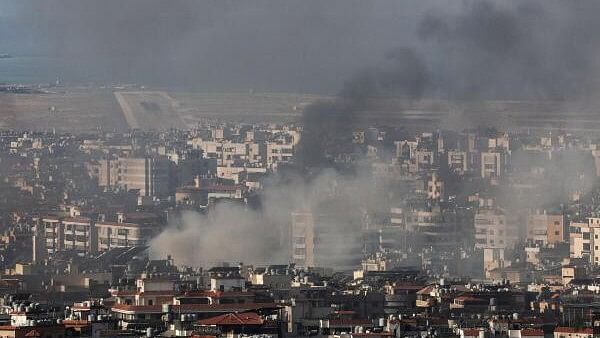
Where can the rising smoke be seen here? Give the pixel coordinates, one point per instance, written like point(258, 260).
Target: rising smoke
point(234, 232)
point(485, 50)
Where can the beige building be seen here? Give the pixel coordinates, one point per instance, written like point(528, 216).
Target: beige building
point(150, 176)
point(424, 159)
point(492, 164)
point(570, 272)
point(594, 225)
point(458, 162)
point(83, 235)
point(278, 153)
point(584, 240)
point(79, 235)
point(434, 186)
point(544, 228)
point(326, 240)
point(579, 240)
point(494, 229)
point(53, 234)
point(303, 239)
point(122, 234)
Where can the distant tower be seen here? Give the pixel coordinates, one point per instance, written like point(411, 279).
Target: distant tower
point(38, 245)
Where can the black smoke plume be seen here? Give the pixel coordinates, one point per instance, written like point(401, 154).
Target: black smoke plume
point(328, 126)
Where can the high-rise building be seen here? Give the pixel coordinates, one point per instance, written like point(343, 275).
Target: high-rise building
point(327, 240)
point(494, 229)
point(149, 175)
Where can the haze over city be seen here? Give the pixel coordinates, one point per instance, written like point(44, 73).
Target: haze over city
point(271, 169)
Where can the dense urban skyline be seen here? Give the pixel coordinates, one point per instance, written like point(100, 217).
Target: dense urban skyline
point(272, 169)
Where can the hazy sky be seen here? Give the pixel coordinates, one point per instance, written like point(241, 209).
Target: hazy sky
point(305, 45)
point(470, 48)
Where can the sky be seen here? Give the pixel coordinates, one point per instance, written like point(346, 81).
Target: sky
point(295, 45)
point(469, 49)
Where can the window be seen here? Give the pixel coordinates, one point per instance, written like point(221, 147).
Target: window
point(557, 232)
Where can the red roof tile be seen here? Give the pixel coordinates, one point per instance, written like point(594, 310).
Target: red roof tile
point(33, 333)
point(563, 329)
point(232, 319)
point(471, 332)
point(343, 321)
point(532, 332)
point(187, 308)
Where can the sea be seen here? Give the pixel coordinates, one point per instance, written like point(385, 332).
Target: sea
point(36, 70)
point(26, 70)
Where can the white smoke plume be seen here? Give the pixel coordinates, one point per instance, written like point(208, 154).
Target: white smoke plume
point(234, 232)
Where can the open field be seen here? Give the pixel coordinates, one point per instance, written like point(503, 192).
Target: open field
point(248, 107)
point(149, 110)
point(71, 110)
point(85, 109)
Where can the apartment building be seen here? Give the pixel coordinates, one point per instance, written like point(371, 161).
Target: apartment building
point(122, 234)
point(85, 236)
point(579, 240)
point(494, 229)
point(278, 153)
point(544, 228)
point(148, 175)
point(303, 239)
point(326, 240)
point(79, 235)
point(458, 162)
point(53, 234)
point(492, 164)
point(434, 186)
point(594, 228)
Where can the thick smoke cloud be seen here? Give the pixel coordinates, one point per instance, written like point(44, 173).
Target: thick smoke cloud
point(508, 50)
point(234, 232)
point(514, 50)
point(470, 50)
point(328, 126)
